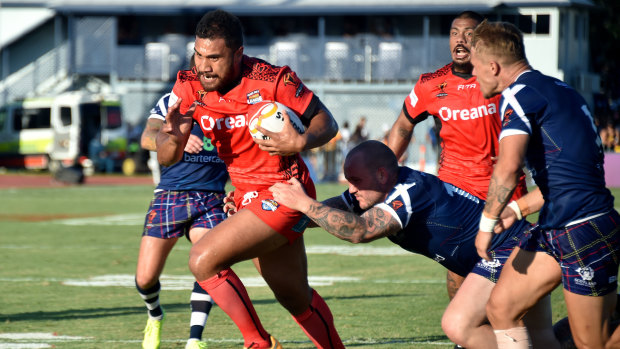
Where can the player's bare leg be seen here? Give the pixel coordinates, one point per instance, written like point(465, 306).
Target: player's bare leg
point(539, 323)
point(286, 272)
point(465, 318)
point(526, 278)
point(453, 283)
point(151, 259)
point(589, 318)
point(244, 236)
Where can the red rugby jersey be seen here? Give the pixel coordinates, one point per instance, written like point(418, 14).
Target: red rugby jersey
point(470, 127)
point(224, 120)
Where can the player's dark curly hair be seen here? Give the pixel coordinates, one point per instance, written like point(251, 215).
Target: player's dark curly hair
point(470, 15)
point(221, 24)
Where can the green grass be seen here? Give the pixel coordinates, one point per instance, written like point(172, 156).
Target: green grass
point(56, 238)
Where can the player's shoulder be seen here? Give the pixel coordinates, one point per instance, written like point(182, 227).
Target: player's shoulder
point(442, 72)
point(257, 69)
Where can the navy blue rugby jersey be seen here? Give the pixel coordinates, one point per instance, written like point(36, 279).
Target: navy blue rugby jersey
point(204, 171)
point(564, 154)
point(439, 220)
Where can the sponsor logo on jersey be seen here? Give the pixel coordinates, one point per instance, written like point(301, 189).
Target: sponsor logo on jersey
point(247, 197)
point(201, 94)
point(396, 204)
point(441, 87)
point(586, 273)
point(438, 258)
point(492, 264)
point(480, 111)
point(269, 205)
point(506, 117)
point(466, 86)
point(209, 123)
point(289, 78)
point(254, 97)
point(202, 159)
point(152, 216)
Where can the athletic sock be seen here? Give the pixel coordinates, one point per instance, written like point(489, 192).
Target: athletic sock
point(231, 296)
point(151, 299)
point(513, 338)
point(318, 324)
point(200, 303)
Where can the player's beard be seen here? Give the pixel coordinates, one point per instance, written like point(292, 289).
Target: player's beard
point(462, 67)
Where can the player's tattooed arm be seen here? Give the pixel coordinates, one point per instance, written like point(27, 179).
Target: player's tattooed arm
point(373, 224)
point(498, 195)
point(148, 140)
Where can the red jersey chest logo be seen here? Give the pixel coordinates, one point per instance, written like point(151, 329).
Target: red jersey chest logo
point(442, 92)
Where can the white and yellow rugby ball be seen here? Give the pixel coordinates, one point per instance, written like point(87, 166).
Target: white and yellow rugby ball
point(269, 115)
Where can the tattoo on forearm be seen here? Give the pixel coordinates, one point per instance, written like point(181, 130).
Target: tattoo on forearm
point(498, 194)
point(373, 224)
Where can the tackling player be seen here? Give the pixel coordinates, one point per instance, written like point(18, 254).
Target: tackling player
point(547, 125)
point(187, 202)
point(218, 94)
point(424, 215)
point(468, 123)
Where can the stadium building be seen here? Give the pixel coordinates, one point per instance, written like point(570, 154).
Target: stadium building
point(361, 57)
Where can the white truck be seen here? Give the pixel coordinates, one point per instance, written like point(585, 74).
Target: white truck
point(73, 129)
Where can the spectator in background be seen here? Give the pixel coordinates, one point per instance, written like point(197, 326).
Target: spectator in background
point(610, 137)
point(360, 134)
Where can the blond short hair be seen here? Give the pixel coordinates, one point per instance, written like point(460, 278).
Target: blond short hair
point(502, 40)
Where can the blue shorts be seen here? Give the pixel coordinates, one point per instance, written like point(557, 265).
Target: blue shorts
point(588, 253)
point(172, 214)
point(491, 270)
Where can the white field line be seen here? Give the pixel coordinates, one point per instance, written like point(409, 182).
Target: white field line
point(43, 340)
point(185, 282)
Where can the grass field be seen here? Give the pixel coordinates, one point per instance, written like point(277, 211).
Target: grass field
point(68, 256)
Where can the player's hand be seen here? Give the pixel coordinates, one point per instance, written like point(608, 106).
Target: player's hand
point(291, 194)
point(286, 142)
point(506, 220)
point(177, 124)
point(229, 203)
point(194, 144)
point(483, 243)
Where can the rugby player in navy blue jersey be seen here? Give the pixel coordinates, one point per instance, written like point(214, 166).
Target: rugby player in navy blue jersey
point(424, 215)
point(187, 202)
point(547, 126)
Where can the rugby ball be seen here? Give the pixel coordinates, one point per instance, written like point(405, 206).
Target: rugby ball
point(269, 115)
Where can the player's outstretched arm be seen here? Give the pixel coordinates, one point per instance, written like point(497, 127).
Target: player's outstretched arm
point(373, 224)
point(173, 135)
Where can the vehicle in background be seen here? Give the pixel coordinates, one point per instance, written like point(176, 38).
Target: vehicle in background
point(71, 130)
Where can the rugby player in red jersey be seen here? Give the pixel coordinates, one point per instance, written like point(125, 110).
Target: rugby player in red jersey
point(218, 94)
point(468, 123)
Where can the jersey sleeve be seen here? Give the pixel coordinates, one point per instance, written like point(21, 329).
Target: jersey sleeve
point(160, 109)
point(516, 103)
point(293, 93)
point(414, 105)
point(399, 203)
point(183, 89)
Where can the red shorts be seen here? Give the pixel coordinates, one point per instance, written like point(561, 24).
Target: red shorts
point(287, 222)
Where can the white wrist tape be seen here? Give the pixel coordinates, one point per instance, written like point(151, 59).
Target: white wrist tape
point(487, 224)
point(515, 207)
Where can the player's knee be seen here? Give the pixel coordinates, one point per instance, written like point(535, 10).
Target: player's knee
point(454, 327)
point(145, 281)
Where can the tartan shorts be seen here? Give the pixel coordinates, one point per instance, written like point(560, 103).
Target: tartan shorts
point(172, 214)
point(491, 270)
point(588, 253)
